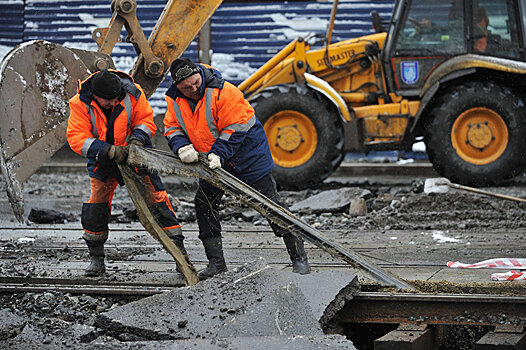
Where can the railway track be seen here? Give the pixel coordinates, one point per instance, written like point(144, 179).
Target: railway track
point(39, 260)
point(406, 320)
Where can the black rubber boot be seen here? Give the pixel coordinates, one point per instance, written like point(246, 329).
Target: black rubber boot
point(96, 267)
point(297, 255)
point(216, 261)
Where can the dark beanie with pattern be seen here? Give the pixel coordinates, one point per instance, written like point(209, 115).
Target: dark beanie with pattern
point(106, 85)
point(182, 68)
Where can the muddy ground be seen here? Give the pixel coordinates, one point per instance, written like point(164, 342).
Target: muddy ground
point(392, 204)
point(404, 222)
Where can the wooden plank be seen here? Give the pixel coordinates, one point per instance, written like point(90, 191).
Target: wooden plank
point(152, 226)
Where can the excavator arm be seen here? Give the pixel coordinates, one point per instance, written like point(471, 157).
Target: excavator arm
point(38, 78)
point(177, 26)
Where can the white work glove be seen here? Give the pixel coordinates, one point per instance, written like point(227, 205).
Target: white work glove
point(188, 154)
point(214, 161)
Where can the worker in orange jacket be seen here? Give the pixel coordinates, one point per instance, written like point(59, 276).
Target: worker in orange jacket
point(108, 113)
point(209, 115)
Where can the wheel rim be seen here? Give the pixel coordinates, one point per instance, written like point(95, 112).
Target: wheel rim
point(479, 136)
point(292, 138)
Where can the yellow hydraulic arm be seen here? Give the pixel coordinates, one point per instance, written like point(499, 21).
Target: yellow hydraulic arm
point(177, 26)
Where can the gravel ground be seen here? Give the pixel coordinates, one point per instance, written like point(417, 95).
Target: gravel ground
point(390, 206)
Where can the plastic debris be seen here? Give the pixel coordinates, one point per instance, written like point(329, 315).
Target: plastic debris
point(498, 263)
point(508, 276)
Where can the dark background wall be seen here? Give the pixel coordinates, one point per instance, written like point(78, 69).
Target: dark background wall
point(244, 34)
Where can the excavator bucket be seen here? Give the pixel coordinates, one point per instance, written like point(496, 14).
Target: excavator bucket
point(37, 79)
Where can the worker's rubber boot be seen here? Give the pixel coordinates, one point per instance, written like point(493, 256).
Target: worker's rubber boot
point(96, 267)
point(216, 261)
point(297, 255)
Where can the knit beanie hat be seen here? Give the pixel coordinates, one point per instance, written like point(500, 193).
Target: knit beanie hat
point(106, 85)
point(182, 68)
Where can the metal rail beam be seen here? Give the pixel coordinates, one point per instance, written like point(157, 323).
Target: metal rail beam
point(434, 309)
point(83, 289)
point(415, 310)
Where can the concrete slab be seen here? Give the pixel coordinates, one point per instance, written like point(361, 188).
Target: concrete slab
point(53, 335)
point(254, 300)
point(333, 200)
point(10, 324)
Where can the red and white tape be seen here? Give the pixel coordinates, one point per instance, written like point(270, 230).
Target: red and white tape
point(501, 263)
point(508, 276)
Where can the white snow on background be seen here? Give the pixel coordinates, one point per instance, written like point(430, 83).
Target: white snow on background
point(300, 23)
point(297, 26)
point(157, 101)
point(96, 22)
point(31, 25)
point(4, 50)
point(230, 69)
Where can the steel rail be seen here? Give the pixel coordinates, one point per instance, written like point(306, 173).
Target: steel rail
point(364, 307)
point(114, 290)
point(436, 309)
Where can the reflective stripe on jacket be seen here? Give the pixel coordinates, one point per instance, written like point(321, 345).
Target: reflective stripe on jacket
point(223, 123)
point(91, 134)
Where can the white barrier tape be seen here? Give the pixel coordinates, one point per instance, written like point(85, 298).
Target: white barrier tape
point(508, 276)
point(500, 263)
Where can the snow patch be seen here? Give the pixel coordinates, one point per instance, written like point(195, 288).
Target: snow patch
point(405, 161)
point(95, 21)
point(441, 238)
point(4, 50)
point(230, 69)
point(419, 147)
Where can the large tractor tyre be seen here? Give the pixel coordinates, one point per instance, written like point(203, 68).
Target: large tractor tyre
point(476, 134)
point(304, 132)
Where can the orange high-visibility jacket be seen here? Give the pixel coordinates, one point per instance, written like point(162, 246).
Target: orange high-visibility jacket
point(219, 114)
point(223, 122)
point(91, 134)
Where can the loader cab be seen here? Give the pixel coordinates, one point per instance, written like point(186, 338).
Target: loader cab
point(425, 33)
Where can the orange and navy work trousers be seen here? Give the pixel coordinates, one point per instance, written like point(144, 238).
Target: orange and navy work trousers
point(96, 212)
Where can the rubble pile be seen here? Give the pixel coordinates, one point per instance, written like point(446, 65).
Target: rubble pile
point(252, 304)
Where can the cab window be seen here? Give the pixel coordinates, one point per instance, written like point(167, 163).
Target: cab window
point(495, 28)
point(432, 27)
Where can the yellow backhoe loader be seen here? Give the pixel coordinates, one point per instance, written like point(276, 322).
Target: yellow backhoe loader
point(38, 78)
point(450, 72)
